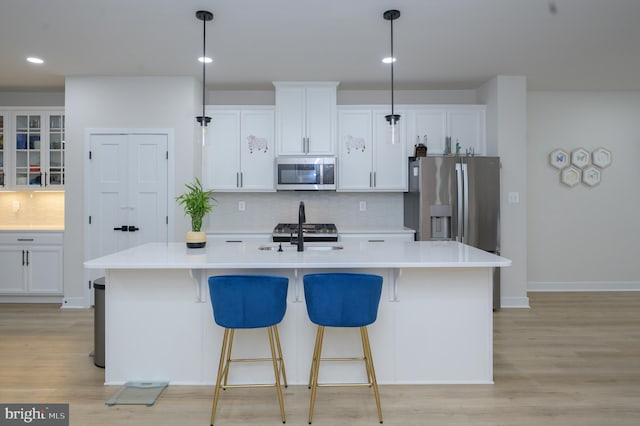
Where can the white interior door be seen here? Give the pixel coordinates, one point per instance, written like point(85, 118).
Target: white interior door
point(128, 202)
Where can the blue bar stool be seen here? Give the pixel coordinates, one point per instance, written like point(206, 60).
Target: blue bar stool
point(248, 301)
point(342, 300)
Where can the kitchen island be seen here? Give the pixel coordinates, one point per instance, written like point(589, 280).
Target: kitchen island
point(434, 322)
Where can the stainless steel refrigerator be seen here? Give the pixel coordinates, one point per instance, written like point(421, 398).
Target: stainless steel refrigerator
point(456, 198)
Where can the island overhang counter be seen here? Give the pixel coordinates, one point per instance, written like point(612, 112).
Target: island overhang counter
point(434, 321)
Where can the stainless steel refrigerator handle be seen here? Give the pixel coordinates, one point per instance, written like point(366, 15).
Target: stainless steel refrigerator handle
point(465, 192)
point(459, 203)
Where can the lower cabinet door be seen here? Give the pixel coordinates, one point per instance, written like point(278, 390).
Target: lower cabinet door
point(13, 279)
point(45, 270)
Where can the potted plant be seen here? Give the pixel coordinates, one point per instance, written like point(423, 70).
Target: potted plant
point(196, 203)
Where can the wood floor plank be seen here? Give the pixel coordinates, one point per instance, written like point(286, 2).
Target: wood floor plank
point(572, 359)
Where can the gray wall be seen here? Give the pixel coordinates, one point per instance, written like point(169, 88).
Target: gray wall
point(584, 238)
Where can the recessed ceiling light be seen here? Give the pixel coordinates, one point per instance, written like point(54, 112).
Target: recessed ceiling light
point(35, 60)
point(388, 60)
point(206, 59)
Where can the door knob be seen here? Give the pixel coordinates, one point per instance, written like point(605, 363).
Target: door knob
point(133, 228)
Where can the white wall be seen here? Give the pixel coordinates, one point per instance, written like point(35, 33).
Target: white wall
point(506, 98)
point(583, 237)
point(122, 102)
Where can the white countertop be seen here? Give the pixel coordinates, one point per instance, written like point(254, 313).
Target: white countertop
point(414, 254)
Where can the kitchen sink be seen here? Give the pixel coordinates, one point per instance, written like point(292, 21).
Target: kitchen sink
point(309, 247)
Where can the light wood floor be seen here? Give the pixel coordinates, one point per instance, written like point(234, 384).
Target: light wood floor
point(572, 359)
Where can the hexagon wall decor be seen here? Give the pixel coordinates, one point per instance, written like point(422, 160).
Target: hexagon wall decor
point(580, 158)
point(601, 157)
point(570, 176)
point(591, 176)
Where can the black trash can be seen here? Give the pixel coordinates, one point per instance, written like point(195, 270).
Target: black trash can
point(98, 322)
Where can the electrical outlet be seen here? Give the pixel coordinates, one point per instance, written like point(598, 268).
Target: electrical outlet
point(16, 206)
point(242, 206)
point(363, 206)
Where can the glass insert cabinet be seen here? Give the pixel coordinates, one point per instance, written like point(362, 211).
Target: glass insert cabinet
point(37, 157)
point(2, 150)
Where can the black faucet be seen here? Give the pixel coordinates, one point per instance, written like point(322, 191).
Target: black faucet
point(301, 219)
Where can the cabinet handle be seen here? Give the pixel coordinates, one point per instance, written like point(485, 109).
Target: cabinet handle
point(370, 179)
point(122, 228)
point(22, 257)
point(27, 251)
point(241, 180)
point(45, 178)
point(374, 180)
point(133, 228)
point(237, 179)
point(25, 239)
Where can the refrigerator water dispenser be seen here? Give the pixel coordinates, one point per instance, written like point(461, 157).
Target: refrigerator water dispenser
point(440, 221)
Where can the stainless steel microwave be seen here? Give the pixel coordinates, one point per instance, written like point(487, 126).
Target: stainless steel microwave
point(306, 173)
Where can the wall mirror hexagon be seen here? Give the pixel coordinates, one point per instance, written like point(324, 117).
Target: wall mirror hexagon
point(591, 176)
point(580, 158)
point(559, 159)
point(601, 157)
point(570, 176)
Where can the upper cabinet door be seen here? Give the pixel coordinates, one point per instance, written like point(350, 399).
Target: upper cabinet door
point(389, 161)
point(220, 155)
point(355, 150)
point(464, 124)
point(305, 118)
point(257, 150)
point(367, 161)
point(36, 158)
point(239, 150)
point(321, 120)
point(290, 120)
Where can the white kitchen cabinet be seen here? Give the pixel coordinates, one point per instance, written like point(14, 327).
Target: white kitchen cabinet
point(239, 152)
point(376, 237)
point(465, 124)
point(305, 118)
point(3, 151)
point(31, 264)
point(37, 157)
point(366, 160)
point(231, 238)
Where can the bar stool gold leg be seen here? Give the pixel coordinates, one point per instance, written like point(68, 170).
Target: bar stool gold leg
point(221, 368)
point(276, 372)
point(280, 357)
point(228, 363)
point(365, 357)
point(369, 360)
point(316, 368)
point(314, 359)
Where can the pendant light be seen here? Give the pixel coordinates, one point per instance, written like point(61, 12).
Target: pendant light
point(204, 16)
point(393, 118)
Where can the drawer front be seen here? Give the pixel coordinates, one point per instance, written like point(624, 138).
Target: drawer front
point(31, 238)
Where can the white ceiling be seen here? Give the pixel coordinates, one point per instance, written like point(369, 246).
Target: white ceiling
point(440, 44)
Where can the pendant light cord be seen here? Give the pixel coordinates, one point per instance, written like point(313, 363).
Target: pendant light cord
point(204, 52)
point(393, 59)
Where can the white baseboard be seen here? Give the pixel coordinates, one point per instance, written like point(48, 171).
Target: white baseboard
point(31, 299)
point(514, 302)
point(584, 286)
point(75, 303)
